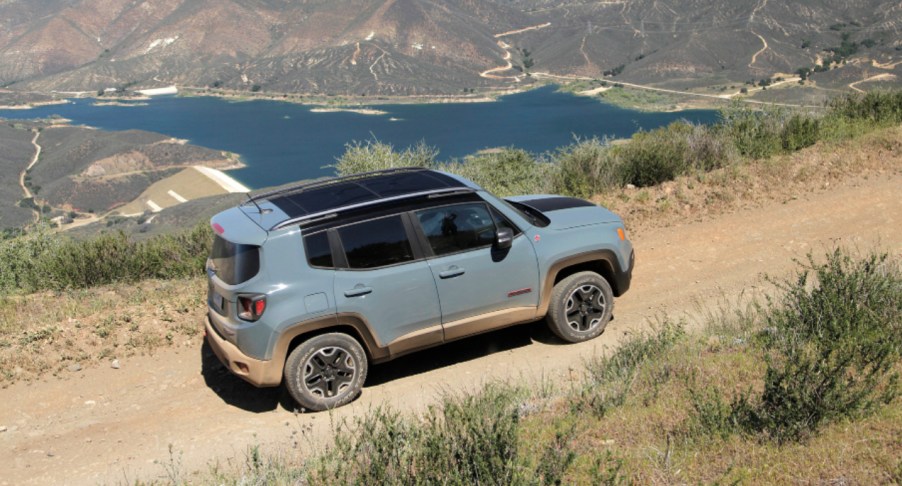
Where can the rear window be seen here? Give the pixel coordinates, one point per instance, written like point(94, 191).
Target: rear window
point(376, 243)
point(234, 263)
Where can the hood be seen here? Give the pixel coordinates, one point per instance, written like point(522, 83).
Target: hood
point(567, 212)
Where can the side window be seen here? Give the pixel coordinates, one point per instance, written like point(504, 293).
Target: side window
point(319, 253)
point(376, 243)
point(460, 227)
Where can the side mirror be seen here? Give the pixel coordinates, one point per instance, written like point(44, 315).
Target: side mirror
point(504, 238)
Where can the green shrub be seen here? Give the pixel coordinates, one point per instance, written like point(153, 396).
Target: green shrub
point(654, 157)
point(665, 153)
point(799, 131)
point(21, 259)
point(878, 107)
point(506, 172)
point(375, 155)
point(755, 134)
point(585, 168)
point(834, 346)
point(43, 260)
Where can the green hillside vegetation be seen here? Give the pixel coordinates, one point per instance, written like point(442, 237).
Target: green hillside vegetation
point(42, 261)
point(771, 392)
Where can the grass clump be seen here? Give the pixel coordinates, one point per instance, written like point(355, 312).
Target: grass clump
point(611, 378)
point(471, 439)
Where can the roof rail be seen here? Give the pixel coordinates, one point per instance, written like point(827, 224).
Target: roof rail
point(333, 212)
point(327, 182)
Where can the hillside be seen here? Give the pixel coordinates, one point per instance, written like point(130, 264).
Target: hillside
point(418, 47)
point(78, 172)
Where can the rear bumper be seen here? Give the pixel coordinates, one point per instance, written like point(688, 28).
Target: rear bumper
point(254, 371)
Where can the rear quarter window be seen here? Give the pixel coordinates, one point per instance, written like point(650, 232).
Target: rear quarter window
point(234, 263)
point(319, 253)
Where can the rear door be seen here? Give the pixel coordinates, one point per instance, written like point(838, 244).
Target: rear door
point(387, 284)
point(479, 287)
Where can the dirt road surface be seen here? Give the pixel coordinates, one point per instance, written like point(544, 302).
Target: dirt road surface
point(109, 426)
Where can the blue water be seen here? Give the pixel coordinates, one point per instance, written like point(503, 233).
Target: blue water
point(283, 142)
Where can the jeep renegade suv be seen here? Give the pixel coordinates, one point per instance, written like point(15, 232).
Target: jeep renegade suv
point(314, 282)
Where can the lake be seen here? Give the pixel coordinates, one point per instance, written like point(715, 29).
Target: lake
point(283, 142)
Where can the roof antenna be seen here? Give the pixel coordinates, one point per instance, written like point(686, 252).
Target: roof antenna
point(254, 201)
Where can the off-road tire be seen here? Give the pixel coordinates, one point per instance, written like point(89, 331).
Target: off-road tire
point(581, 306)
point(326, 371)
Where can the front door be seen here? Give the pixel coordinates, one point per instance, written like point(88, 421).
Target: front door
point(479, 287)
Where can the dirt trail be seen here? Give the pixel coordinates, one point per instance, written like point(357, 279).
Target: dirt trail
point(34, 160)
point(872, 78)
point(106, 425)
point(524, 29)
point(677, 92)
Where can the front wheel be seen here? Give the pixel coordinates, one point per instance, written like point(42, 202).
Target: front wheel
point(581, 307)
point(326, 371)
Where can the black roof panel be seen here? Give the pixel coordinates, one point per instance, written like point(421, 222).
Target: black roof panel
point(324, 196)
point(408, 183)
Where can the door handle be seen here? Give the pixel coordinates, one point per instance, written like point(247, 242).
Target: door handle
point(453, 271)
point(358, 291)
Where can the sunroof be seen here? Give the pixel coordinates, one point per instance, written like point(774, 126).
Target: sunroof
point(406, 183)
point(338, 194)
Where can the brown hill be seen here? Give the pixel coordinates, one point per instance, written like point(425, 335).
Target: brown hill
point(421, 46)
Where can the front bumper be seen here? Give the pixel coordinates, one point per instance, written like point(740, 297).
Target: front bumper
point(622, 279)
point(254, 371)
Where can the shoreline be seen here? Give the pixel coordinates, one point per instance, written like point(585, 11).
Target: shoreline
point(33, 105)
point(369, 105)
point(324, 104)
point(119, 103)
point(228, 183)
point(359, 111)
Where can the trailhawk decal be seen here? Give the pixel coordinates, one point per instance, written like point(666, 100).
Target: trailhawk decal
point(515, 293)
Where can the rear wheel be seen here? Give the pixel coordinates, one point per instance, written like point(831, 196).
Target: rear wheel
point(326, 371)
point(581, 307)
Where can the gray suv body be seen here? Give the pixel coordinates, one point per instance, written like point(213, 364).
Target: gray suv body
point(310, 284)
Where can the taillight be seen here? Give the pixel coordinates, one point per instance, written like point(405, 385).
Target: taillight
point(251, 307)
